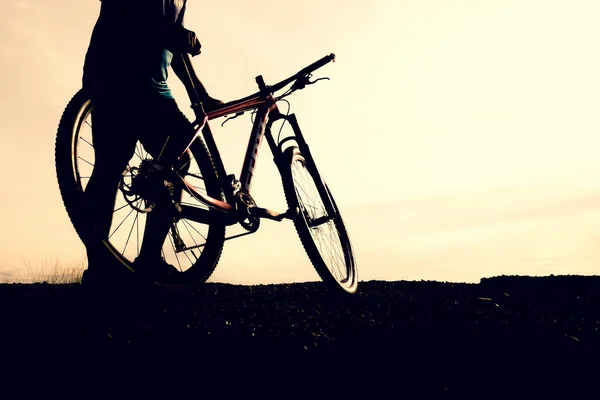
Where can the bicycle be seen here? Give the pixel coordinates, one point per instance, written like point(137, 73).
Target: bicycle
point(212, 199)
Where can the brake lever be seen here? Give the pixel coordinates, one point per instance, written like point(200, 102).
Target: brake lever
point(234, 117)
point(301, 83)
point(317, 80)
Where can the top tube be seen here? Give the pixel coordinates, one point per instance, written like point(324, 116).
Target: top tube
point(258, 98)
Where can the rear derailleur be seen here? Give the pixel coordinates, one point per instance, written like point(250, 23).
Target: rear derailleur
point(149, 185)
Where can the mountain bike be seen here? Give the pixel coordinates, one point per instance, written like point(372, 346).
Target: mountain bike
point(212, 199)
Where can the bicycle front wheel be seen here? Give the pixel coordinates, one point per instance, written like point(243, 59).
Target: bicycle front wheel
point(318, 222)
point(193, 248)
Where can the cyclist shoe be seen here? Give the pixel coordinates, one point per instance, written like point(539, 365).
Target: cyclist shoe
point(155, 270)
point(103, 273)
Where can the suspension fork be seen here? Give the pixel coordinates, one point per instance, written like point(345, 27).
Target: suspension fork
point(298, 138)
point(282, 163)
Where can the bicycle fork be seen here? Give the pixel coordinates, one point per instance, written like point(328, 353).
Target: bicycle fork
point(283, 164)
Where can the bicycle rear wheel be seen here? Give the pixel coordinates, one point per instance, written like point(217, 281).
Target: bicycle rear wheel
point(318, 222)
point(193, 248)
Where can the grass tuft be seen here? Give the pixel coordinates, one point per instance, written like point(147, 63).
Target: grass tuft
point(51, 272)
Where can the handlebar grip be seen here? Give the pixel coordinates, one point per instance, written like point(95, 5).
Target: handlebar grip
point(317, 64)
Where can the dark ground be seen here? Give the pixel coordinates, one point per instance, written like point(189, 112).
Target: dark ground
point(509, 335)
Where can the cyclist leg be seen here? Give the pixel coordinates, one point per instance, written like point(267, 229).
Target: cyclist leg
point(114, 144)
point(171, 134)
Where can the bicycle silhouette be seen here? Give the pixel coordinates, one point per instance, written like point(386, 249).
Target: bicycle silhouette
point(212, 199)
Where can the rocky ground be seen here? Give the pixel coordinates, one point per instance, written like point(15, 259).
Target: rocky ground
point(503, 334)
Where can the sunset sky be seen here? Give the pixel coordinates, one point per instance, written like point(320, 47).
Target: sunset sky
point(460, 138)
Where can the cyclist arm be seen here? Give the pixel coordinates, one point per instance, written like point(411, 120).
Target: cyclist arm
point(183, 67)
point(184, 70)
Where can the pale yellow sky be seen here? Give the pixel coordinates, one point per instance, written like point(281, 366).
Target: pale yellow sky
point(459, 137)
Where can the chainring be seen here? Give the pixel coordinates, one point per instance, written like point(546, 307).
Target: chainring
point(244, 202)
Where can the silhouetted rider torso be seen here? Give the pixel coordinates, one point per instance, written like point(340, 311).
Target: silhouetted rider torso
point(133, 43)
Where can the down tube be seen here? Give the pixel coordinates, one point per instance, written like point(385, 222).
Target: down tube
point(256, 136)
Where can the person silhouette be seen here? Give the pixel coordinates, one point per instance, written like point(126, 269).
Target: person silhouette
point(132, 46)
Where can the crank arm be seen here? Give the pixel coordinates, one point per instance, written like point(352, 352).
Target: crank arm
point(270, 214)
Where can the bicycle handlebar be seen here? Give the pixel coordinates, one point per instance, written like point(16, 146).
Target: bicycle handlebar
point(303, 72)
point(317, 64)
point(265, 89)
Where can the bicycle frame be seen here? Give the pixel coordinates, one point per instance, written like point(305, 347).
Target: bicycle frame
point(267, 113)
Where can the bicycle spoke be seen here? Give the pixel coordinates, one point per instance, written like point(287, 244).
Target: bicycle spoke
point(301, 185)
point(300, 188)
point(333, 252)
point(188, 257)
point(194, 176)
point(324, 251)
point(185, 222)
point(332, 238)
point(138, 234)
point(172, 242)
point(85, 161)
point(117, 228)
point(186, 164)
point(189, 233)
point(91, 145)
point(307, 203)
point(336, 255)
point(130, 231)
point(122, 207)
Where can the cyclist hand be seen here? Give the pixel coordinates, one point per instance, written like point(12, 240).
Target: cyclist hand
point(210, 104)
point(180, 40)
point(194, 44)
